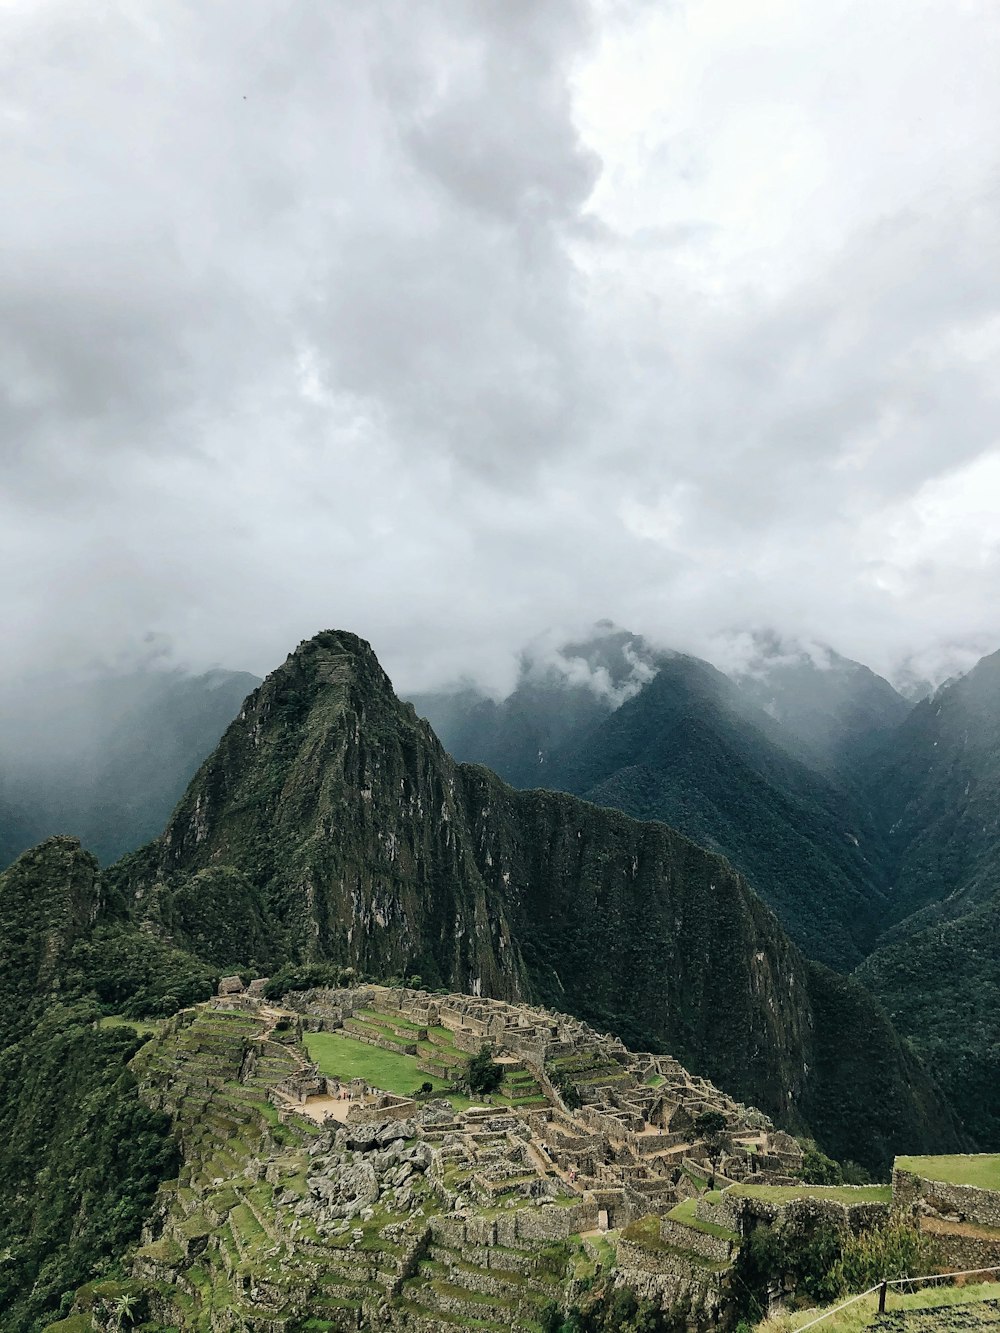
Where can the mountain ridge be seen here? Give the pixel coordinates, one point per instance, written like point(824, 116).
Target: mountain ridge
point(335, 819)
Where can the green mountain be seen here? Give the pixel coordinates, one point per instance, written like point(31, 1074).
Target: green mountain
point(690, 750)
point(80, 1156)
point(760, 768)
point(106, 758)
point(330, 824)
point(941, 986)
point(334, 821)
point(837, 709)
point(558, 697)
point(936, 788)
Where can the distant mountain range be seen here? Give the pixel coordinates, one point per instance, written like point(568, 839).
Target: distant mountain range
point(869, 825)
point(667, 736)
point(330, 824)
point(106, 758)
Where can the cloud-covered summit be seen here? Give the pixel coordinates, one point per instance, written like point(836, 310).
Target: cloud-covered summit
point(453, 323)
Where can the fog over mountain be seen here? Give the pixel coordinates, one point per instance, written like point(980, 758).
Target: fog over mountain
point(456, 324)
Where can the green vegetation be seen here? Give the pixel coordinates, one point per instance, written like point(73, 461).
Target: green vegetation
point(146, 1027)
point(342, 1057)
point(864, 1312)
point(854, 1038)
point(941, 987)
point(825, 1262)
point(608, 1309)
point(981, 1170)
point(135, 974)
point(819, 1169)
point(292, 978)
point(937, 787)
point(781, 1194)
point(80, 1161)
point(685, 1214)
point(482, 1074)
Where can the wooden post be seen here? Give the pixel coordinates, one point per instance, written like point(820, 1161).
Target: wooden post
point(881, 1297)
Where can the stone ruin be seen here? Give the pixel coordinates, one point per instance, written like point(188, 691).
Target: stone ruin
point(372, 1209)
point(628, 1149)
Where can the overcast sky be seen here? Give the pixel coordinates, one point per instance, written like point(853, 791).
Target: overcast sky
point(452, 321)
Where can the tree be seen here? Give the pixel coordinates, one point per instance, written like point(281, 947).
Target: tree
point(711, 1126)
point(817, 1168)
point(569, 1092)
point(482, 1073)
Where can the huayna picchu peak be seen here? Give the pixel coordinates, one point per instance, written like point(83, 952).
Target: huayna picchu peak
point(329, 835)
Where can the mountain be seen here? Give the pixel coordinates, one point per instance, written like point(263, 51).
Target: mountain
point(80, 1156)
point(331, 824)
point(839, 710)
point(690, 750)
point(559, 695)
point(941, 986)
point(106, 758)
point(935, 786)
point(936, 789)
point(669, 737)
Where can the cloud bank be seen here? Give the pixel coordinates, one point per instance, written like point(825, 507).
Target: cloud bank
point(450, 324)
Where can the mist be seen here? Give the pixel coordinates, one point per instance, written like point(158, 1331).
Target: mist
point(456, 326)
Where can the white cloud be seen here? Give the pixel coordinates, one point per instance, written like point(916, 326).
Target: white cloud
point(451, 323)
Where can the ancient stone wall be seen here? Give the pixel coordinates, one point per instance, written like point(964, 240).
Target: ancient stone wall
point(967, 1202)
point(716, 1248)
point(960, 1249)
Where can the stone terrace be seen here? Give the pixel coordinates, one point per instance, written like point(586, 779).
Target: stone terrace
point(410, 1214)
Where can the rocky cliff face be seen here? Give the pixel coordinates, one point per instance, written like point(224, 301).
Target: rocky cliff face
point(49, 899)
point(332, 812)
point(330, 824)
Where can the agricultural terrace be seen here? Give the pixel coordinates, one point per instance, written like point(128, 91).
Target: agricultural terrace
point(933, 1310)
point(405, 1058)
point(782, 1194)
point(981, 1170)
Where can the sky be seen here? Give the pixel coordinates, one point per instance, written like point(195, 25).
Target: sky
point(460, 323)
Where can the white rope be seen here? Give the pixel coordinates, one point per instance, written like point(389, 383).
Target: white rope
point(895, 1282)
point(836, 1310)
point(940, 1277)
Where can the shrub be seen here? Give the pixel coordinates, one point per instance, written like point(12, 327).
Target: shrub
point(482, 1073)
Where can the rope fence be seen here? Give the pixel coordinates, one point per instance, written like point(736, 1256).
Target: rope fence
point(882, 1289)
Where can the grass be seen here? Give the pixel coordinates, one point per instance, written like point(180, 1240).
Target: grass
point(146, 1027)
point(980, 1169)
point(779, 1194)
point(341, 1056)
point(864, 1312)
point(684, 1213)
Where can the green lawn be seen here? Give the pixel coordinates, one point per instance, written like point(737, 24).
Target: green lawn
point(779, 1194)
point(864, 1313)
point(342, 1057)
point(982, 1169)
point(684, 1213)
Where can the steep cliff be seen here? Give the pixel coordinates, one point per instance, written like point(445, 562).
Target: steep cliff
point(936, 787)
point(751, 769)
point(49, 899)
point(330, 824)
